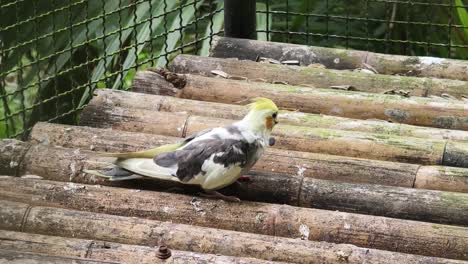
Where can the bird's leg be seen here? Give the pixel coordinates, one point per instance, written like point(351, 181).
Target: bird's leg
point(244, 178)
point(215, 194)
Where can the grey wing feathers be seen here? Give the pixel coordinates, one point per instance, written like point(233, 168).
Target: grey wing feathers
point(193, 136)
point(189, 161)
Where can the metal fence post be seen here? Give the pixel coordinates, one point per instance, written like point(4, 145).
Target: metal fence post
point(240, 19)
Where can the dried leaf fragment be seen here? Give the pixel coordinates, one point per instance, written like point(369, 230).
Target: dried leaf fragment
point(369, 67)
point(291, 62)
point(268, 60)
point(220, 73)
point(363, 71)
point(280, 82)
point(398, 92)
point(344, 87)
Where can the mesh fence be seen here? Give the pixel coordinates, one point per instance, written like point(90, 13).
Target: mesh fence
point(55, 53)
point(426, 28)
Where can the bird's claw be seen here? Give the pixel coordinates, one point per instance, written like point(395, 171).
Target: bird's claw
point(244, 178)
point(217, 195)
point(231, 199)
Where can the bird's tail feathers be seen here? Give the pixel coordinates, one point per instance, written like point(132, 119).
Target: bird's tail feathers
point(133, 168)
point(115, 174)
point(148, 154)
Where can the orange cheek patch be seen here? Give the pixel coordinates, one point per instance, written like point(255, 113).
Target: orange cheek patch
point(269, 123)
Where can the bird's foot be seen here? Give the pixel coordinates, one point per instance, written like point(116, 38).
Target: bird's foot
point(244, 178)
point(217, 195)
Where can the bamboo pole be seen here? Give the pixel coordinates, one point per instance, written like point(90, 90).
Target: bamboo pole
point(172, 104)
point(107, 251)
point(311, 165)
point(432, 112)
point(278, 220)
point(326, 141)
point(318, 77)
point(119, 229)
point(340, 59)
point(60, 164)
point(440, 178)
point(12, 257)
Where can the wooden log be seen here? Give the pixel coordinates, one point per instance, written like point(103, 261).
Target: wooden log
point(441, 178)
point(311, 165)
point(12, 257)
point(340, 59)
point(106, 251)
point(317, 77)
point(455, 154)
point(127, 99)
point(327, 141)
point(421, 111)
point(119, 229)
point(136, 120)
point(419, 66)
point(60, 164)
point(278, 220)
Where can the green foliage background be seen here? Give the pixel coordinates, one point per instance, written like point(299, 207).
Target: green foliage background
point(54, 53)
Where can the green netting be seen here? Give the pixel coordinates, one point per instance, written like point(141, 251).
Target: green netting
point(55, 53)
point(425, 28)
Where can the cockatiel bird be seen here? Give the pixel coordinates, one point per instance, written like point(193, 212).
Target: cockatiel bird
point(212, 159)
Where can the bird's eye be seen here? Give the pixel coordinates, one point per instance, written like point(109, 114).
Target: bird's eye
point(274, 115)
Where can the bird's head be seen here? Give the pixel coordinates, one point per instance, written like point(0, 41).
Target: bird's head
point(262, 116)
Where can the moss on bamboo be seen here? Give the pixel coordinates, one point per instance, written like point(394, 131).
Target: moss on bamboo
point(319, 77)
point(341, 59)
point(219, 110)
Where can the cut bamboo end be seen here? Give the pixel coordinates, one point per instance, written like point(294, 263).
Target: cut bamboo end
point(94, 250)
point(228, 111)
point(12, 152)
point(61, 164)
point(299, 138)
point(340, 59)
point(317, 77)
point(120, 229)
point(421, 111)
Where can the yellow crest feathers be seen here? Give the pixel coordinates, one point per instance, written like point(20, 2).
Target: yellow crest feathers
point(261, 103)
